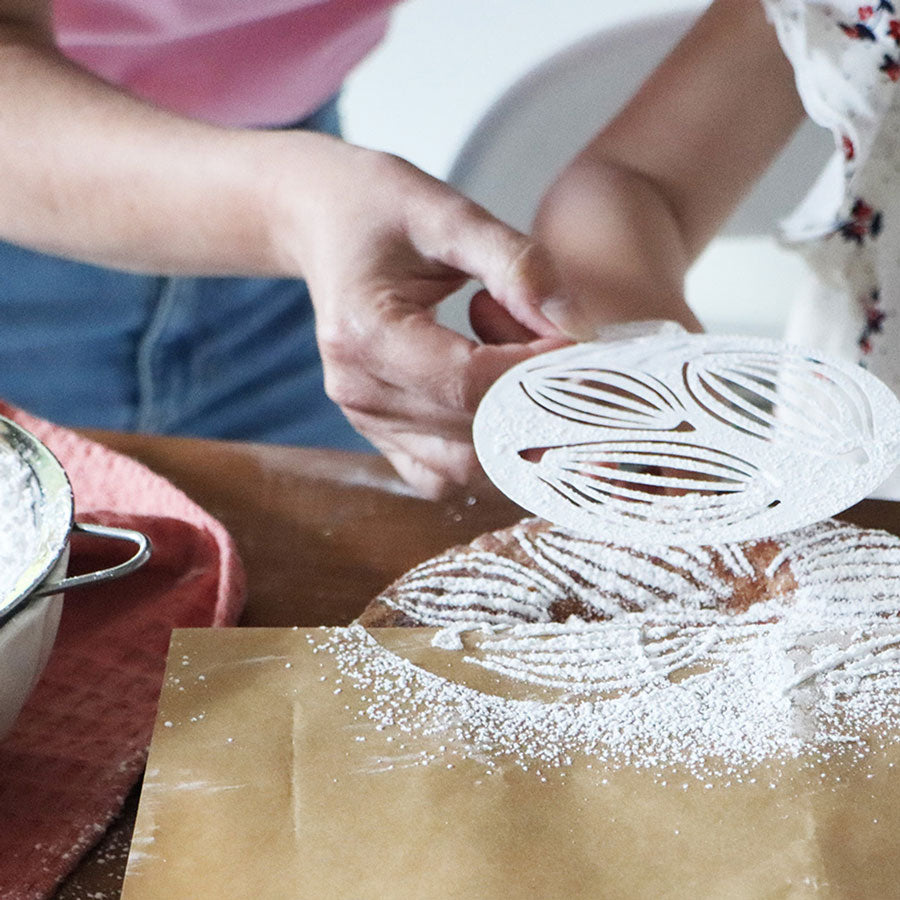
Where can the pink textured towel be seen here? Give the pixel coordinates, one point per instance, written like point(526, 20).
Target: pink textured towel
point(80, 744)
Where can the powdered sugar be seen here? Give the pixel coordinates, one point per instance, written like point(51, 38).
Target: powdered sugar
point(672, 671)
point(19, 495)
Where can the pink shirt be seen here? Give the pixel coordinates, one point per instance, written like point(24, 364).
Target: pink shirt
point(232, 62)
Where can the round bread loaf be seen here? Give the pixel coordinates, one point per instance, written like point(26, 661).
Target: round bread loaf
point(534, 572)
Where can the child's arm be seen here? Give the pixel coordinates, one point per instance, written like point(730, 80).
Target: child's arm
point(630, 213)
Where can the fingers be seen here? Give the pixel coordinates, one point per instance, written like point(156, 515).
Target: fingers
point(405, 372)
point(516, 271)
point(445, 371)
point(427, 484)
point(434, 466)
point(415, 394)
point(493, 324)
point(403, 363)
point(431, 485)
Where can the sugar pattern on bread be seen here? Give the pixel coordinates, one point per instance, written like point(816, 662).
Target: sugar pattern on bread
point(739, 653)
point(535, 572)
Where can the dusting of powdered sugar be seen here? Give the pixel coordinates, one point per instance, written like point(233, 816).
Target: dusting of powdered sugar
point(19, 504)
point(669, 673)
point(547, 569)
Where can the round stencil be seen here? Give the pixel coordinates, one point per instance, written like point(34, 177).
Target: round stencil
point(687, 439)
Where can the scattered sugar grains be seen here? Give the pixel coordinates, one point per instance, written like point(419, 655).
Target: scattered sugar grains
point(19, 495)
point(714, 693)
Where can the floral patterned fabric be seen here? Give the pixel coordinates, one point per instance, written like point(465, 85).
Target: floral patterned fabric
point(846, 58)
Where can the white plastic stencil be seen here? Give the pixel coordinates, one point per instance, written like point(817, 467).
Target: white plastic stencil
point(687, 439)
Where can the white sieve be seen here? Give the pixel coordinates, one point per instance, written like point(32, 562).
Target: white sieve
point(676, 438)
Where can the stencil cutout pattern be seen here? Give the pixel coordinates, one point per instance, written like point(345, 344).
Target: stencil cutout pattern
point(687, 439)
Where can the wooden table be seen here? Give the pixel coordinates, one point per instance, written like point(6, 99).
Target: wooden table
point(320, 533)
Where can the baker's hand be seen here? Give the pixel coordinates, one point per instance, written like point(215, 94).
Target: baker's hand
point(387, 244)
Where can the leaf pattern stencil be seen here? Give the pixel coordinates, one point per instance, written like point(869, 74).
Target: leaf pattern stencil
point(687, 439)
point(791, 395)
point(666, 482)
point(614, 399)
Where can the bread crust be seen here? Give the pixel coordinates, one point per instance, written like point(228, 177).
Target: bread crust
point(536, 572)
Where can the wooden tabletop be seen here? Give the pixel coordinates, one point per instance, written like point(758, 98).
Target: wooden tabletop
point(320, 533)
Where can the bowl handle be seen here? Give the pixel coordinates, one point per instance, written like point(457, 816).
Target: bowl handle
point(140, 556)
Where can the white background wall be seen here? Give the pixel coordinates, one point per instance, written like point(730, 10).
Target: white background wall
point(445, 61)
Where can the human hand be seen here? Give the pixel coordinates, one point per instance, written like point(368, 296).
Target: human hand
point(386, 244)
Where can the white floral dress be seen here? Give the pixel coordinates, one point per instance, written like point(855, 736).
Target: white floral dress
point(846, 59)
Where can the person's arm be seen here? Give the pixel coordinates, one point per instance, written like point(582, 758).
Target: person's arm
point(91, 173)
point(627, 217)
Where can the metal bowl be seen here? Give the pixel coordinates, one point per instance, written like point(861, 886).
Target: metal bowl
point(31, 599)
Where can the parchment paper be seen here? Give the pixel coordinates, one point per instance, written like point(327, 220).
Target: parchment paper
point(265, 782)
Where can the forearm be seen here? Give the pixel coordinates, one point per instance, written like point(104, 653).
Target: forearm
point(617, 247)
point(657, 183)
point(711, 118)
point(89, 172)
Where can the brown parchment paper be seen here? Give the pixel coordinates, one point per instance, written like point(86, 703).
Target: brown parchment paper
point(264, 782)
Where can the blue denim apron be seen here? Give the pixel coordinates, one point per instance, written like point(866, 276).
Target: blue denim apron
point(232, 358)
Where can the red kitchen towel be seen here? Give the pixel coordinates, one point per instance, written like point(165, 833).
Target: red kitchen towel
point(80, 743)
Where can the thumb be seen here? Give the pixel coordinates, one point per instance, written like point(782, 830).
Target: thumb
point(489, 361)
point(523, 281)
point(516, 270)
